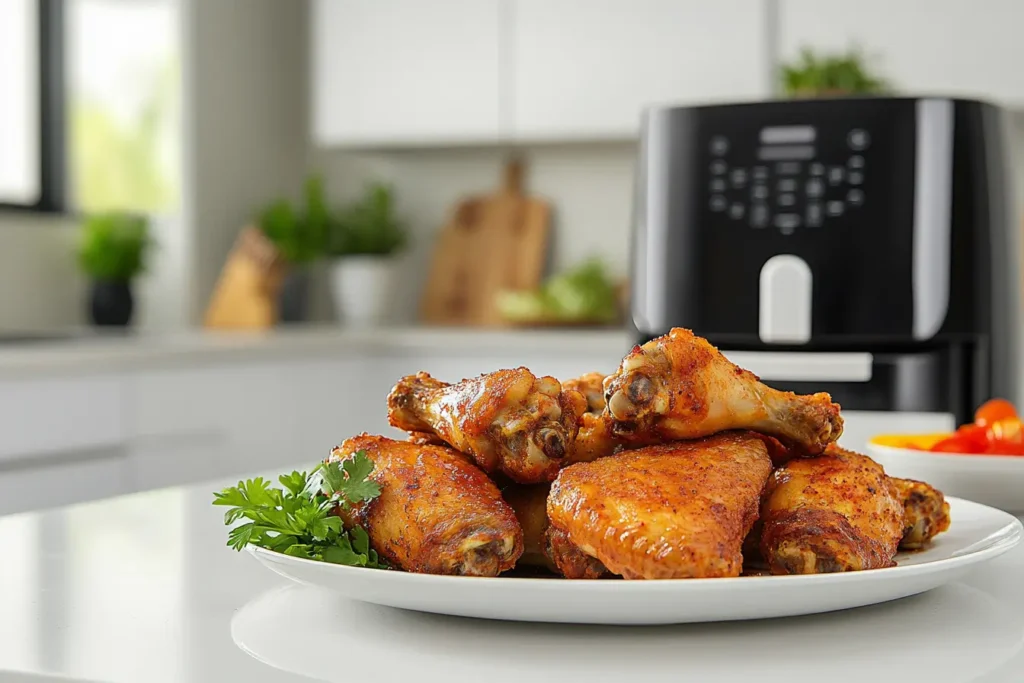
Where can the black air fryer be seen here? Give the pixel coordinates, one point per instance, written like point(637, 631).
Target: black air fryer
point(829, 230)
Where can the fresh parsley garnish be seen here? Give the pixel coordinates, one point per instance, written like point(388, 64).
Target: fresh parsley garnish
point(299, 518)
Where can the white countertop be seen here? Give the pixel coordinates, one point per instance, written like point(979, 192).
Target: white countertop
point(142, 589)
point(93, 352)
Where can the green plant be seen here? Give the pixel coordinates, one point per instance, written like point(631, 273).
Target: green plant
point(827, 74)
point(298, 233)
point(112, 246)
point(368, 226)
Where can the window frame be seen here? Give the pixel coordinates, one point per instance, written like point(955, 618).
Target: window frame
point(52, 108)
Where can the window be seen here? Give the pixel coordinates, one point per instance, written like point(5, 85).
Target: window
point(31, 125)
point(89, 114)
point(122, 105)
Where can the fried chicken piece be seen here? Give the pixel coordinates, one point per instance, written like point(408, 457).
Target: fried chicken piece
point(437, 513)
point(837, 512)
point(591, 385)
point(595, 438)
point(925, 512)
point(681, 387)
point(542, 545)
point(569, 560)
point(529, 502)
point(509, 421)
point(677, 510)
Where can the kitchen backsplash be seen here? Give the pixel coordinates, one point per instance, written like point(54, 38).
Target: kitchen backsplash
point(590, 188)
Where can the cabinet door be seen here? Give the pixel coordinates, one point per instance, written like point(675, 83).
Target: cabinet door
point(404, 72)
point(952, 47)
point(587, 68)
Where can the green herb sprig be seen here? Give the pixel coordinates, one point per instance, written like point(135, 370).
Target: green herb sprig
point(298, 519)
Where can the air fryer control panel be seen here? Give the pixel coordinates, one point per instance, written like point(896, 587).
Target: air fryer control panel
point(789, 185)
point(830, 183)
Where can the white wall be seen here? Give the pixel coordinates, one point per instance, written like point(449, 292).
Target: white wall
point(245, 103)
point(589, 186)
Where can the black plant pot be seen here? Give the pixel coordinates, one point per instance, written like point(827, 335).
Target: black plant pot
point(294, 297)
point(111, 303)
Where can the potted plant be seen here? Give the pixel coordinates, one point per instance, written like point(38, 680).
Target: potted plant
point(830, 75)
point(363, 241)
point(112, 251)
point(299, 235)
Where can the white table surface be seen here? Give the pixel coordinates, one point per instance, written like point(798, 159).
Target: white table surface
point(142, 589)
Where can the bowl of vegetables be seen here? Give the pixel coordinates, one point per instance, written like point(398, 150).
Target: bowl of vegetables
point(982, 461)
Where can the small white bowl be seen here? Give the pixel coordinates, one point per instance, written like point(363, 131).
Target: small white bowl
point(995, 480)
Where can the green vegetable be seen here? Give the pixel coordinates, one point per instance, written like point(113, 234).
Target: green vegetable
point(298, 519)
point(830, 74)
point(583, 294)
point(112, 246)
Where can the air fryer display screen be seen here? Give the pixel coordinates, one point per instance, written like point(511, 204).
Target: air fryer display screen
point(787, 185)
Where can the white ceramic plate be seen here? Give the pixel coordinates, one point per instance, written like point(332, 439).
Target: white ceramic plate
point(977, 533)
point(996, 480)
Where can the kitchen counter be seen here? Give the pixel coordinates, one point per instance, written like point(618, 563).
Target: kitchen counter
point(92, 352)
point(142, 588)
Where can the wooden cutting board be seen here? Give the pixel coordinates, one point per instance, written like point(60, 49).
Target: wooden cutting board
point(492, 243)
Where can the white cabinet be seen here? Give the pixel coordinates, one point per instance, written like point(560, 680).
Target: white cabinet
point(58, 416)
point(404, 72)
point(587, 68)
point(953, 47)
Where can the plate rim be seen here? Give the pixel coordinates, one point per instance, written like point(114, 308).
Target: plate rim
point(993, 545)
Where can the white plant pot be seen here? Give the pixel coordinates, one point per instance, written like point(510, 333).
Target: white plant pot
point(361, 286)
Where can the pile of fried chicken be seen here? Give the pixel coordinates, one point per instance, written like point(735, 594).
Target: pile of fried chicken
point(678, 465)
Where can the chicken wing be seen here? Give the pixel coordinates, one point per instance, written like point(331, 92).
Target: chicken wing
point(834, 513)
point(925, 512)
point(678, 510)
point(681, 387)
point(509, 421)
point(437, 513)
point(591, 385)
point(595, 438)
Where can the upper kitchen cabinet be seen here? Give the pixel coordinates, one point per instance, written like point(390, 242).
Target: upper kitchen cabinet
point(404, 72)
point(956, 47)
point(586, 69)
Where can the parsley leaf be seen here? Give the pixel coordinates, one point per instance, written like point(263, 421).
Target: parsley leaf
point(299, 519)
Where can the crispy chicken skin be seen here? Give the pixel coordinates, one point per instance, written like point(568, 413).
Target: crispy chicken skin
point(508, 421)
point(833, 513)
point(591, 385)
point(679, 386)
point(569, 560)
point(437, 513)
point(925, 512)
point(677, 510)
point(595, 438)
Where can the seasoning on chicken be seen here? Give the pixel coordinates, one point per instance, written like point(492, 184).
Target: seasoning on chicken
point(437, 513)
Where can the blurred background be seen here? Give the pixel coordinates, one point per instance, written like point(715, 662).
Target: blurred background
point(227, 226)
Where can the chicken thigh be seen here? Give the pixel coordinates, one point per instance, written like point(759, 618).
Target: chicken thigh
point(437, 513)
point(834, 513)
point(508, 421)
point(679, 386)
point(677, 510)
